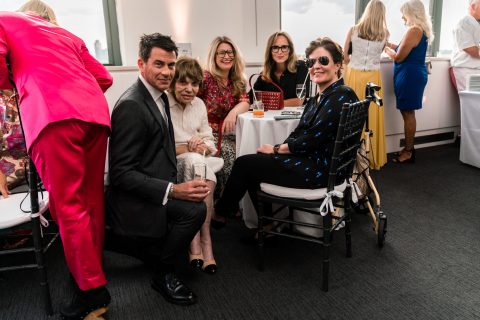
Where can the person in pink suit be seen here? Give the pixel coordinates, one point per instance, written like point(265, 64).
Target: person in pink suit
point(66, 124)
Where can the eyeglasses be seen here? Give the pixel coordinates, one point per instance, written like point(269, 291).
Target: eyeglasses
point(283, 48)
point(224, 53)
point(323, 60)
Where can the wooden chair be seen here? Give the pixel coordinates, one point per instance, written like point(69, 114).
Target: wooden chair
point(347, 141)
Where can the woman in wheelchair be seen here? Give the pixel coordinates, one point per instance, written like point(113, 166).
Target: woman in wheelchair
point(303, 159)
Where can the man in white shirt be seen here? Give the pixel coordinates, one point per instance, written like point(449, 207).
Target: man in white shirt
point(466, 54)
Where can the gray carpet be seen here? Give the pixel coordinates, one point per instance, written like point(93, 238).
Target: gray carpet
point(428, 269)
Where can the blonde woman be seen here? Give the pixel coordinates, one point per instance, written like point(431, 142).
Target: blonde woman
point(368, 38)
point(39, 8)
point(224, 93)
point(410, 71)
point(279, 67)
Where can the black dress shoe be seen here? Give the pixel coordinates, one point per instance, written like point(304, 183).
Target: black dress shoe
point(90, 303)
point(173, 290)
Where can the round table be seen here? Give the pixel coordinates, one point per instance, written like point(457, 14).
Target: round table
point(251, 133)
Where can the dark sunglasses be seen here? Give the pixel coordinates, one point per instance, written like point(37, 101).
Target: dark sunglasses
point(324, 61)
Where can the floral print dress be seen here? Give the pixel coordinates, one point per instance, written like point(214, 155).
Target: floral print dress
point(219, 101)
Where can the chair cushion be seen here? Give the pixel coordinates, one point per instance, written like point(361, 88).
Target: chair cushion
point(306, 194)
point(10, 213)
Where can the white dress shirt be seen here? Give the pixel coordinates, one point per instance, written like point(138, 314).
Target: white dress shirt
point(466, 34)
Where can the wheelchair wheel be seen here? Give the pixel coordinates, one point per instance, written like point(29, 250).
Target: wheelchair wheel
point(382, 229)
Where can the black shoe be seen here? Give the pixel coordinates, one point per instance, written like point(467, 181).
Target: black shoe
point(173, 290)
point(196, 263)
point(90, 303)
point(408, 160)
point(211, 267)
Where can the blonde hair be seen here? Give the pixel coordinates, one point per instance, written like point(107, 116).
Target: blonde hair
point(416, 16)
point(269, 65)
point(236, 73)
point(40, 8)
point(372, 25)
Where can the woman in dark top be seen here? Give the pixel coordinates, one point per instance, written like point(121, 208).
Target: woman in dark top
point(280, 68)
point(303, 159)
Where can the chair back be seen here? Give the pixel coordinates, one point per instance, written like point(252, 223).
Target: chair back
point(352, 121)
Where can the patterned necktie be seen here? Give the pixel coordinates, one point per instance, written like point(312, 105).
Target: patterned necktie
point(169, 118)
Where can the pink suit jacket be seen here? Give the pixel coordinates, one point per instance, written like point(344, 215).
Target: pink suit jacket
point(55, 75)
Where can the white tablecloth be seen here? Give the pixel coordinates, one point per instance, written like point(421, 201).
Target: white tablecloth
point(470, 128)
point(253, 132)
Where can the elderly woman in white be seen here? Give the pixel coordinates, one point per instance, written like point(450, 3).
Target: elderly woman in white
point(194, 144)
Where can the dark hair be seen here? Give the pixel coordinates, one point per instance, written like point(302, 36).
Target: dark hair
point(186, 67)
point(331, 46)
point(155, 40)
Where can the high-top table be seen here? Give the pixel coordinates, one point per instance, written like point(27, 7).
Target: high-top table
point(470, 128)
point(251, 133)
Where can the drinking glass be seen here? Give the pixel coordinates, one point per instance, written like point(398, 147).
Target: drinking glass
point(301, 91)
point(199, 171)
point(258, 109)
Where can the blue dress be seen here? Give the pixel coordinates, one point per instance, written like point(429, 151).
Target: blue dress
point(410, 78)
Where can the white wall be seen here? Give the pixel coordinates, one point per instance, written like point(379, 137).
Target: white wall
point(198, 22)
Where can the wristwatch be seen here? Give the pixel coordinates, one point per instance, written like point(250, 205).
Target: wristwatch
point(170, 192)
point(276, 148)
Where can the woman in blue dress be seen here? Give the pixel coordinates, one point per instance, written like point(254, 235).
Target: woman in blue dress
point(410, 71)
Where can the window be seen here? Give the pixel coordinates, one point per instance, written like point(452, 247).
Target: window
point(395, 23)
point(83, 18)
point(306, 20)
point(452, 12)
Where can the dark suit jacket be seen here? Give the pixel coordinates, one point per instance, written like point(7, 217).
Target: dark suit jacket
point(141, 164)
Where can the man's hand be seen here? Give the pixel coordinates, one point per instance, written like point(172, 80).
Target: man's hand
point(3, 185)
point(195, 190)
point(196, 144)
point(265, 148)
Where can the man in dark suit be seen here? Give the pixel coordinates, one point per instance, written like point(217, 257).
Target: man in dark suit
point(144, 203)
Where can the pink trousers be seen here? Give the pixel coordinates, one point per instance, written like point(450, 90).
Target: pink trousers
point(70, 158)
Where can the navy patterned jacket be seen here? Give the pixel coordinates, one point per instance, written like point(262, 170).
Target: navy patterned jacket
point(311, 143)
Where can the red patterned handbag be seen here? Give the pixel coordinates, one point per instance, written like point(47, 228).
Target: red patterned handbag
point(272, 100)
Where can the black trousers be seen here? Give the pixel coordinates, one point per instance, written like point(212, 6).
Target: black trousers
point(247, 173)
point(184, 219)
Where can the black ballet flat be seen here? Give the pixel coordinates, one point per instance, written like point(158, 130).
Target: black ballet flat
point(211, 268)
point(196, 263)
point(409, 160)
